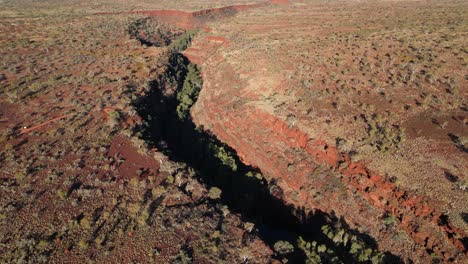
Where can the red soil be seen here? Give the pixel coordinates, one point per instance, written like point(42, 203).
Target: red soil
point(132, 163)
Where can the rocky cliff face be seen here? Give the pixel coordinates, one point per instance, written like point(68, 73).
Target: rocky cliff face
point(318, 131)
point(197, 19)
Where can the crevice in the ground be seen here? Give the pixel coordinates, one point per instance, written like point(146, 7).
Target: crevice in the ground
point(168, 127)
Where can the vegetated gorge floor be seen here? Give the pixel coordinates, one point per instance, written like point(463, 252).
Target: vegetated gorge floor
point(299, 131)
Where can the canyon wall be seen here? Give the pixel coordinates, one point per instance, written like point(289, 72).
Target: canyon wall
point(237, 104)
point(323, 98)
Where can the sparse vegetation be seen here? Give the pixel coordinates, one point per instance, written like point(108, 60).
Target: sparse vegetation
point(387, 87)
point(73, 176)
point(383, 135)
point(344, 243)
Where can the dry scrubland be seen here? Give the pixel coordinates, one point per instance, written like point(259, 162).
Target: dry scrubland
point(84, 187)
point(385, 80)
point(28, 8)
point(308, 92)
point(295, 87)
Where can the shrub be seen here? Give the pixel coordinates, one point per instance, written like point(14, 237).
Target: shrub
point(343, 241)
point(389, 220)
point(36, 87)
point(226, 157)
point(283, 247)
point(214, 193)
point(83, 244)
point(85, 223)
point(115, 117)
point(158, 191)
point(62, 194)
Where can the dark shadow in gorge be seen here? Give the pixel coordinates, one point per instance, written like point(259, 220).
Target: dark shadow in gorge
point(254, 199)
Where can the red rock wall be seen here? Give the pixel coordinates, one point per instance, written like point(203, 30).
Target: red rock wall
point(190, 20)
point(305, 166)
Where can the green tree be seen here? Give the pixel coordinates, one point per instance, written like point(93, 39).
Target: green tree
point(182, 42)
point(188, 95)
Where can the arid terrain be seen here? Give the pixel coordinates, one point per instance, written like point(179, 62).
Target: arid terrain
point(218, 131)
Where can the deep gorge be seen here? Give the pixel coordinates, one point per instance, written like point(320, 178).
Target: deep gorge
point(167, 126)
